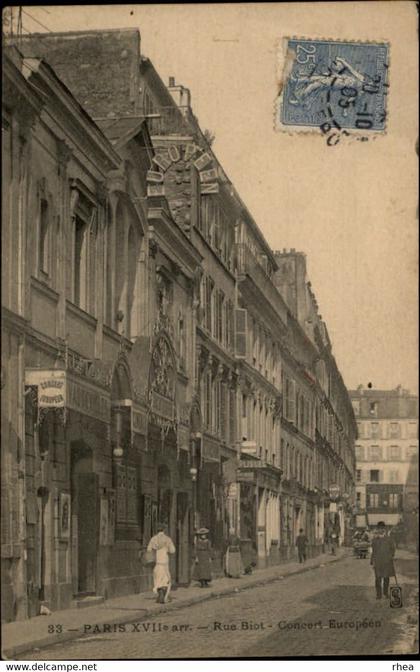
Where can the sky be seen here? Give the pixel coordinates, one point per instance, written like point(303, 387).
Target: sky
point(352, 209)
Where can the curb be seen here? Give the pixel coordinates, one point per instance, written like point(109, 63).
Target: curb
point(143, 614)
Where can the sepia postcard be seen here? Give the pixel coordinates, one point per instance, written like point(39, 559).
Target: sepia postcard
point(209, 332)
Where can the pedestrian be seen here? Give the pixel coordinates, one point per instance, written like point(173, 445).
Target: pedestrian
point(202, 568)
point(301, 543)
point(334, 541)
point(382, 560)
point(233, 559)
point(163, 547)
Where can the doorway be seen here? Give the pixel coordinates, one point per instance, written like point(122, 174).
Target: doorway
point(182, 544)
point(85, 510)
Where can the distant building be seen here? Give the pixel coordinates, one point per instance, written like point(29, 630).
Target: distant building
point(387, 456)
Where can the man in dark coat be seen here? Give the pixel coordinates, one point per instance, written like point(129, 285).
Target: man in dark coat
point(382, 559)
point(301, 543)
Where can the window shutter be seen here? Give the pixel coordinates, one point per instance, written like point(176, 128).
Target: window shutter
point(240, 332)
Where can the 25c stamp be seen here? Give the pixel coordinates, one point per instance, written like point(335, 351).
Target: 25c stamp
point(340, 85)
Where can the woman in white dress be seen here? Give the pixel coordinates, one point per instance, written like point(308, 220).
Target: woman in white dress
point(163, 547)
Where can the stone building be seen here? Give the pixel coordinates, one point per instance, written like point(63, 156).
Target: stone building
point(159, 361)
point(387, 457)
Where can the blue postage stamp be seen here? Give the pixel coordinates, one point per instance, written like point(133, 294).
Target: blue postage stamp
point(334, 84)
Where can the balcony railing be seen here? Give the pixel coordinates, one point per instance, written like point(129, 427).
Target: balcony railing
point(170, 121)
point(249, 265)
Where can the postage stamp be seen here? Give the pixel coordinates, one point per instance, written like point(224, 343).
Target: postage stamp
point(328, 84)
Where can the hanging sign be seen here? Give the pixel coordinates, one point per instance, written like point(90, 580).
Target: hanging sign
point(51, 387)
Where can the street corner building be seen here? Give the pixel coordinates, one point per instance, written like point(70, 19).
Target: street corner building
point(159, 361)
point(387, 454)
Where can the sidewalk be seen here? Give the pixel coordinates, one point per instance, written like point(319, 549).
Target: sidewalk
point(22, 636)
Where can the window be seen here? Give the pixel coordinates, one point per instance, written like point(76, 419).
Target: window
point(373, 408)
point(109, 265)
point(360, 453)
point(412, 430)
point(373, 500)
point(131, 329)
point(394, 430)
point(80, 263)
point(208, 304)
point(290, 400)
point(358, 498)
point(181, 341)
point(394, 452)
point(374, 475)
point(374, 430)
point(394, 476)
point(356, 407)
point(360, 430)
point(44, 236)
point(411, 451)
point(358, 475)
point(375, 453)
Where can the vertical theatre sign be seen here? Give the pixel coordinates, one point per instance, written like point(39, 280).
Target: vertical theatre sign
point(171, 177)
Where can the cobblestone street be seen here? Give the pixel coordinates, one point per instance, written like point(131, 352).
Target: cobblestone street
point(318, 613)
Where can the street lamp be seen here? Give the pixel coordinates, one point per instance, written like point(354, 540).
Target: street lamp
point(193, 474)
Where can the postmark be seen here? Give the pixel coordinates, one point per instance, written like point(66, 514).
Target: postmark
point(334, 87)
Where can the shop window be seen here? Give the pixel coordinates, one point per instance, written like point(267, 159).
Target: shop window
point(373, 500)
point(394, 500)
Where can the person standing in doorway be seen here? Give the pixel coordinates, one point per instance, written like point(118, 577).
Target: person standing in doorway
point(202, 569)
point(163, 547)
point(382, 560)
point(301, 543)
point(233, 561)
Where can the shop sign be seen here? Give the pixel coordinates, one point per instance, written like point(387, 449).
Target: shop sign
point(87, 400)
point(245, 476)
point(51, 387)
point(233, 490)
point(210, 450)
point(162, 406)
point(139, 420)
point(183, 438)
point(165, 158)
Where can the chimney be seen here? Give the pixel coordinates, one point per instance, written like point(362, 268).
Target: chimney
point(179, 93)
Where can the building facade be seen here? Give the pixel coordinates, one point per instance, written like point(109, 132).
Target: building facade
point(159, 361)
point(387, 458)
